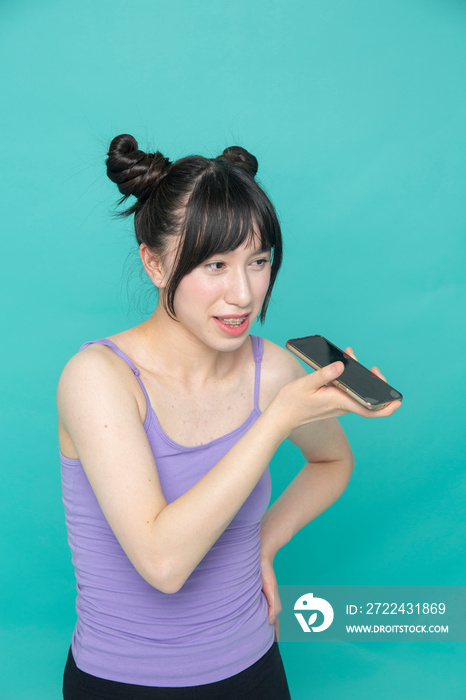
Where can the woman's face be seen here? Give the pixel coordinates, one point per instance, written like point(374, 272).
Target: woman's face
point(218, 301)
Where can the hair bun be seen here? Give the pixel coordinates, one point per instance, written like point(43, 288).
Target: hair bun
point(134, 171)
point(241, 158)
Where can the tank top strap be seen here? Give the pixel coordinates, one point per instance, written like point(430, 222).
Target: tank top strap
point(110, 344)
point(258, 350)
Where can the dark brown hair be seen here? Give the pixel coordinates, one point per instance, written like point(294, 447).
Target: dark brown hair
point(213, 204)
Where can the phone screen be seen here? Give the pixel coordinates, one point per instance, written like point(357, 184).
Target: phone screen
point(355, 376)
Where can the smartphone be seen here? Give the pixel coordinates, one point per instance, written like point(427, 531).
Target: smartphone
point(358, 381)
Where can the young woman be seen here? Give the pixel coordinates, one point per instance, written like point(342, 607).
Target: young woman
point(166, 431)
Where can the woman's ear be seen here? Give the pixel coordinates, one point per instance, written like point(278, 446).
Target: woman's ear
point(152, 263)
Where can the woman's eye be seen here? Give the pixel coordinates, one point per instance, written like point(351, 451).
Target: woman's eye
point(261, 262)
point(217, 266)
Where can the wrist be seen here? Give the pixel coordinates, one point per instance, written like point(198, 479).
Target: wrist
point(269, 547)
point(278, 414)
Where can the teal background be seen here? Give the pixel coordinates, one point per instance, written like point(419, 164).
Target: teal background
point(356, 112)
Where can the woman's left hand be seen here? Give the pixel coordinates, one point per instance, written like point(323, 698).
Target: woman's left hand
point(270, 589)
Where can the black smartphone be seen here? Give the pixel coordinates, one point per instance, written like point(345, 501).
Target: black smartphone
point(358, 381)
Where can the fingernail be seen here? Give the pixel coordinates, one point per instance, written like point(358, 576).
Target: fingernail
point(337, 367)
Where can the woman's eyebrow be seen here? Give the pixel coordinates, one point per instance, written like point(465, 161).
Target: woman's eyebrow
point(261, 251)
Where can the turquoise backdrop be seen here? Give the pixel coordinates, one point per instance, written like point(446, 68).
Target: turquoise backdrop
point(356, 112)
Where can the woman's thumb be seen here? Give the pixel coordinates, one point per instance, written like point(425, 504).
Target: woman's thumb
point(328, 373)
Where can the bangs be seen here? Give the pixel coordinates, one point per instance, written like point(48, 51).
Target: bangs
point(226, 209)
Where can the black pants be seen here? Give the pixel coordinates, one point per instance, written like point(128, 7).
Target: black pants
point(264, 680)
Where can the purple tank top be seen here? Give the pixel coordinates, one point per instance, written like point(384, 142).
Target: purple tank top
point(216, 625)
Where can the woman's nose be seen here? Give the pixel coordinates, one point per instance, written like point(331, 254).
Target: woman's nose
point(239, 290)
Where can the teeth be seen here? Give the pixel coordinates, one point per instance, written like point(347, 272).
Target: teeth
point(234, 322)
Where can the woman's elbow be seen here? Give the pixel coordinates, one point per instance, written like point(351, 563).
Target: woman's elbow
point(163, 576)
point(348, 467)
point(345, 466)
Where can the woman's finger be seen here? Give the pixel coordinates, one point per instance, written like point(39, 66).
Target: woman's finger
point(326, 374)
point(347, 404)
point(378, 373)
point(349, 351)
point(389, 410)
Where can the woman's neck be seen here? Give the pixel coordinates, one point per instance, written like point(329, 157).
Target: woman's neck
point(165, 343)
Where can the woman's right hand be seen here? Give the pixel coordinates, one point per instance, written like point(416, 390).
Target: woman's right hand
point(314, 397)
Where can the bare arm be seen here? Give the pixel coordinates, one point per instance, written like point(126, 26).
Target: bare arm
point(329, 463)
point(165, 542)
point(316, 487)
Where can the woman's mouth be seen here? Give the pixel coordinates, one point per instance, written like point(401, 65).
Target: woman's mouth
point(232, 325)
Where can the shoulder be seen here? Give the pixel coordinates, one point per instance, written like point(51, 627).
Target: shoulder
point(279, 367)
point(89, 362)
point(94, 374)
